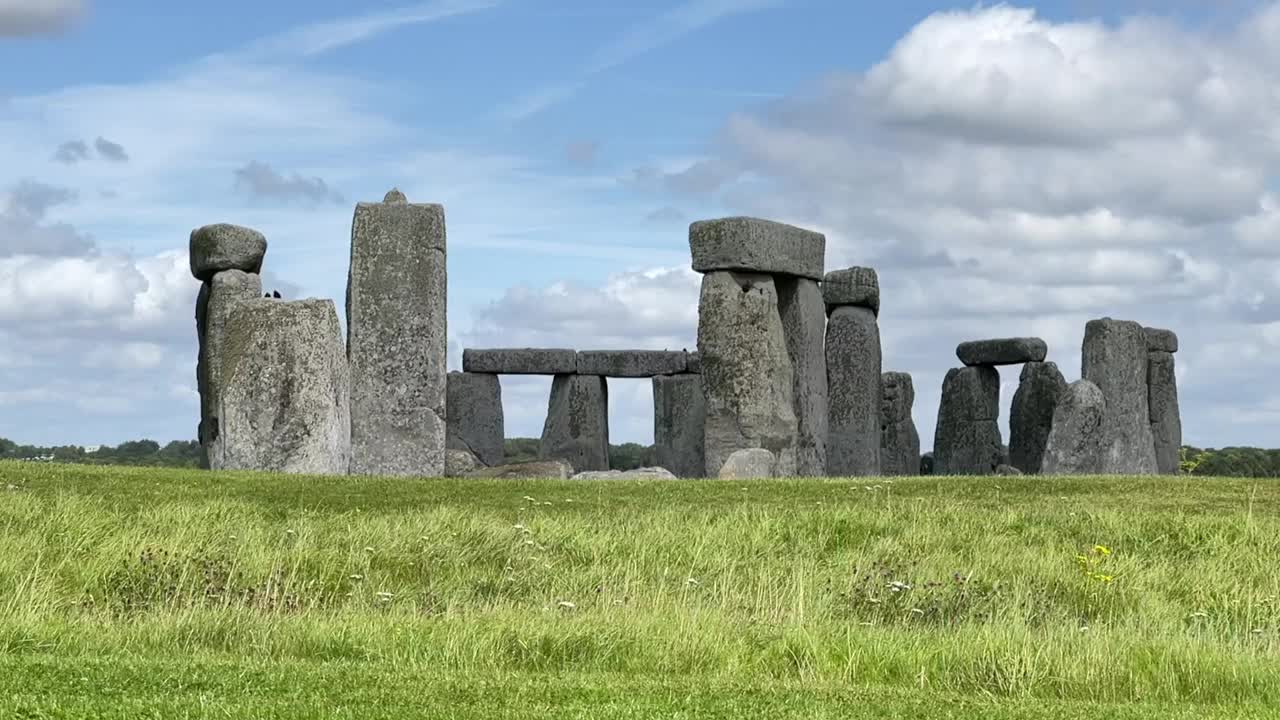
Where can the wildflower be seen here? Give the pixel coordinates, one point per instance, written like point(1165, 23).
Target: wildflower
point(692, 581)
point(528, 542)
point(1257, 631)
point(566, 605)
point(1101, 550)
point(518, 526)
point(356, 577)
point(898, 586)
point(917, 611)
point(526, 498)
point(290, 532)
point(368, 549)
point(1199, 615)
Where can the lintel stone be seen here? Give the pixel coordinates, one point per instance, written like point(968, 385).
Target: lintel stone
point(746, 244)
point(852, 286)
point(521, 361)
point(632, 363)
point(1002, 351)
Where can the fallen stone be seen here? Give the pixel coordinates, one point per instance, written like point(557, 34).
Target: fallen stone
point(746, 371)
point(1160, 340)
point(899, 439)
point(967, 438)
point(1003, 469)
point(577, 425)
point(222, 246)
point(854, 404)
point(474, 416)
point(751, 463)
point(397, 338)
point(679, 417)
point(1166, 420)
point(744, 244)
point(458, 463)
point(521, 361)
point(1114, 357)
point(645, 473)
point(1077, 441)
point(284, 390)
point(218, 298)
point(804, 322)
point(1002, 351)
point(631, 363)
point(694, 363)
point(854, 286)
point(539, 469)
point(1031, 414)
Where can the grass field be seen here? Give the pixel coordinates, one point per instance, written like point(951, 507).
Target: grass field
point(169, 594)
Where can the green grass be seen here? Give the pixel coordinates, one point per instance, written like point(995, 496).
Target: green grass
point(170, 593)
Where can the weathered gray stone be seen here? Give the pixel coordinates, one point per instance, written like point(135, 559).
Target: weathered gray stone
point(397, 338)
point(926, 464)
point(458, 463)
point(1160, 340)
point(222, 246)
point(967, 438)
point(521, 361)
point(1003, 469)
point(1115, 359)
point(1031, 414)
point(694, 363)
point(804, 323)
point(282, 403)
point(748, 464)
point(853, 286)
point(645, 473)
point(1002, 351)
point(577, 425)
point(631, 363)
point(899, 439)
point(474, 412)
point(218, 298)
point(1077, 442)
point(679, 414)
point(746, 370)
point(540, 469)
point(853, 377)
point(1166, 420)
point(752, 245)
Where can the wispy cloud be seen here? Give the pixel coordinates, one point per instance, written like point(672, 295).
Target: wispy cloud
point(645, 37)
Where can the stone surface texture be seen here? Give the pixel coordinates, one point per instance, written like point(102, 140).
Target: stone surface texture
point(751, 463)
point(474, 416)
point(746, 370)
point(644, 473)
point(752, 245)
point(541, 469)
point(967, 438)
point(1166, 420)
point(694, 362)
point(1161, 340)
point(284, 390)
point(899, 439)
point(1077, 441)
point(632, 363)
point(804, 323)
point(1003, 469)
point(222, 246)
point(577, 425)
point(218, 298)
point(855, 286)
point(679, 416)
point(1002, 351)
point(1031, 414)
point(458, 463)
point(521, 361)
point(855, 394)
point(397, 339)
point(1114, 357)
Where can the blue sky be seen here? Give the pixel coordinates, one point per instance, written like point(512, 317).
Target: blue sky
point(1009, 169)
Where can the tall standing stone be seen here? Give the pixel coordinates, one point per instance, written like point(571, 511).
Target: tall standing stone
point(1166, 421)
point(899, 439)
point(967, 438)
point(397, 342)
point(577, 425)
point(1077, 442)
point(218, 298)
point(1031, 414)
point(283, 402)
point(804, 322)
point(679, 415)
point(475, 419)
point(746, 370)
point(1114, 357)
point(853, 379)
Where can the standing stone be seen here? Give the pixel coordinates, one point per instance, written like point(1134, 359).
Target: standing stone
point(748, 464)
point(1166, 422)
point(1115, 359)
point(222, 246)
point(283, 402)
point(679, 414)
point(474, 413)
point(577, 425)
point(899, 439)
point(853, 377)
point(1031, 415)
point(746, 370)
point(967, 438)
point(218, 298)
point(804, 322)
point(1077, 442)
point(396, 330)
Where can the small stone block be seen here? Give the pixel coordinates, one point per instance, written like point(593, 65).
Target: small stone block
point(1160, 340)
point(222, 246)
point(855, 286)
point(1002, 351)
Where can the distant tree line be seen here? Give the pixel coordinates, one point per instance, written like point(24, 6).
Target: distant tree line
point(178, 453)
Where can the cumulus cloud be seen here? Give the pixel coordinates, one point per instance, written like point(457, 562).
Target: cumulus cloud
point(261, 180)
point(21, 18)
point(113, 152)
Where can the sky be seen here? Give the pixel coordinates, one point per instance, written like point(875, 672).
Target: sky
point(1008, 169)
